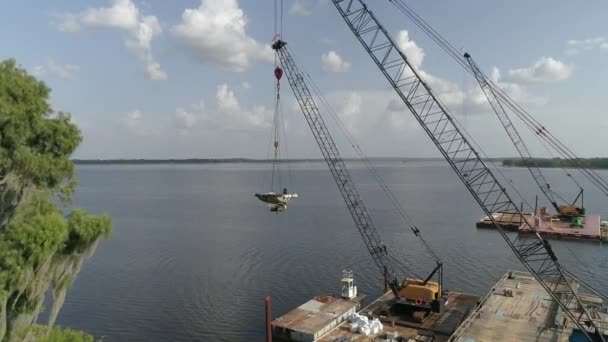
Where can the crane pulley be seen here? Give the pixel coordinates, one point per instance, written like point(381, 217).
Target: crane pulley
point(536, 254)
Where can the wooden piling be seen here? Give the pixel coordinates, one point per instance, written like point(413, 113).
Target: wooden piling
point(268, 319)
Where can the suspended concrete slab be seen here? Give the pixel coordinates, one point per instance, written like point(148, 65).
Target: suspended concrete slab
point(276, 202)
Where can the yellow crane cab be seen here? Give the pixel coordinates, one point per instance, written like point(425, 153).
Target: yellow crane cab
point(420, 297)
point(419, 293)
point(570, 210)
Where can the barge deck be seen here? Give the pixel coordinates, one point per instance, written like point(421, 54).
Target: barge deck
point(517, 308)
point(328, 322)
point(437, 327)
point(591, 227)
point(588, 229)
point(314, 318)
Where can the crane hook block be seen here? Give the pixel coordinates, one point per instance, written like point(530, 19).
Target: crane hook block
point(278, 73)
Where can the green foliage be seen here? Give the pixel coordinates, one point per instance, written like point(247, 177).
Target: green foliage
point(85, 228)
point(57, 334)
point(63, 283)
point(588, 163)
point(36, 172)
point(38, 230)
point(35, 143)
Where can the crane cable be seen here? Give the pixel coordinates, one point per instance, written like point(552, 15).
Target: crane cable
point(276, 134)
point(526, 117)
point(277, 122)
point(373, 171)
point(278, 17)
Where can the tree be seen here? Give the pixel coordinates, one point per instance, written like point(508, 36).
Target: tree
point(35, 142)
point(36, 182)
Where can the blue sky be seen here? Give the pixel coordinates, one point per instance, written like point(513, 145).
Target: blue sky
point(193, 78)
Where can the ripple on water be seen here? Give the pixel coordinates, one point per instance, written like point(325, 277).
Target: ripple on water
point(184, 267)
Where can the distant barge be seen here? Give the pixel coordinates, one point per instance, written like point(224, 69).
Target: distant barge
point(588, 227)
point(516, 309)
point(509, 221)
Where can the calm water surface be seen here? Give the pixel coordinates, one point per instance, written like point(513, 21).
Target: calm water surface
point(193, 253)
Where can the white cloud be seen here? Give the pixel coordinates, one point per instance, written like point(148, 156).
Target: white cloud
point(226, 100)
point(588, 43)
point(226, 116)
point(228, 106)
point(215, 33)
point(470, 100)
point(546, 69)
point(495, 74)
point(186, 119)
point(364, 112)
point(350, 112)
point(519, 93)
point(134, 121)
point(123, 15)
point(333, 62)
point(245, 85)
point(412, 51)
point(298, 7)
point(449, 93)
point(65, 71)
point(577, 46)
point(140, 44)
point(155, 72)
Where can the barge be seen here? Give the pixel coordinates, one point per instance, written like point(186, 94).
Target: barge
point(584, 227)
point(589, 227)
point(509, 221)
point(516, 308)
point(331, 319)
point(313, 319)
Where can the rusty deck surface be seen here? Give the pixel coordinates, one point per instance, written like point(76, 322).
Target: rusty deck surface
point(440, 326)
point(554, 227)
point(528, 315)
point(549, 226)
point(315, 314)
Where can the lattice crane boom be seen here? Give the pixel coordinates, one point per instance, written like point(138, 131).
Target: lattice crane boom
point(337, 166)
point(534, 253)
point(507, 124)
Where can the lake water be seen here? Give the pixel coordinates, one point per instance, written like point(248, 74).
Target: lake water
point(193, 252)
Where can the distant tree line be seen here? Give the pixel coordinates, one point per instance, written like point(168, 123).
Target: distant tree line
point(229, 160)
point(589, 163)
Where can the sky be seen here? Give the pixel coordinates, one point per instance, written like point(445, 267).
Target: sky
point(194, 78)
